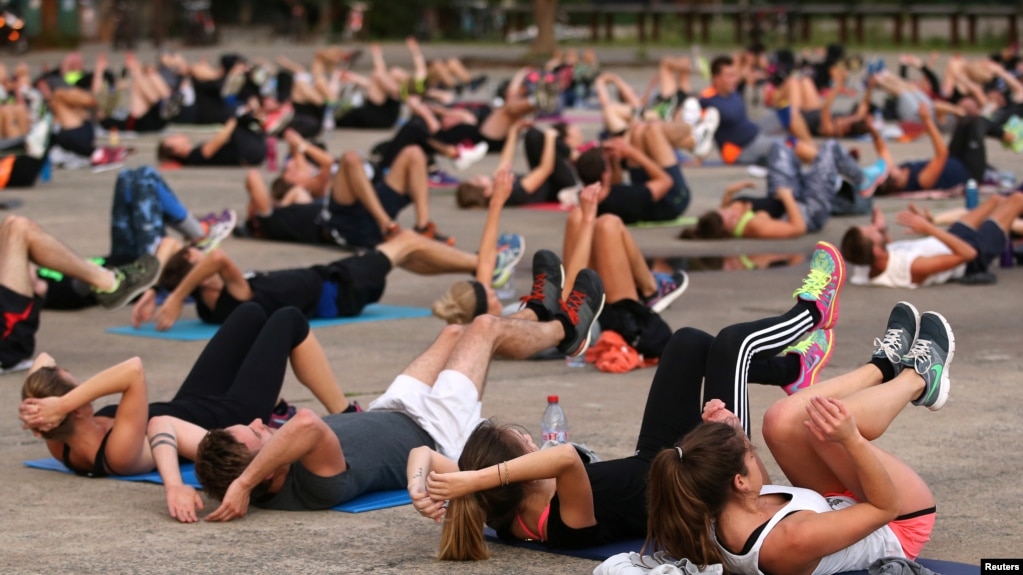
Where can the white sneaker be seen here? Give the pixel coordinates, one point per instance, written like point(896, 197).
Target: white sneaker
point(691, 111)
point(704, 132)
point(469, 155)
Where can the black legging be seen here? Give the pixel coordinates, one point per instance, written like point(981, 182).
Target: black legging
point(239, 374)
point(695, 364)
point(967, 143)
point(413, 133)
point(563, 175)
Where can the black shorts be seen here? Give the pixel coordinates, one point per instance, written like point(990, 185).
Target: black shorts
point(370, 116)
point(20, 315)
point(80, 140)
point(359, 281)
point(673, 203)
point(356, 225)
point(149, 122)
point(989, 240)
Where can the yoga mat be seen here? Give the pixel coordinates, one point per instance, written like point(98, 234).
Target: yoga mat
point(677, 222)
point(374, 501)
point(602, 552)
point(196, 330)
point(547, 207)
point(368, 502)
point(187, 472)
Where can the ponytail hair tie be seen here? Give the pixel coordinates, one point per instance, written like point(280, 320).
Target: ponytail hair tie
point(681, 454)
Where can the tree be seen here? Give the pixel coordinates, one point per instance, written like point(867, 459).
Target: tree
point(544, 14)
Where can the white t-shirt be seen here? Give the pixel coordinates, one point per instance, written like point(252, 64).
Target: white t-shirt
point(901, 255)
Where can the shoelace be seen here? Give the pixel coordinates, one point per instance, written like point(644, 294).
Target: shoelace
point(815, 283)
point(803, 346)
point(571, 306)
point(890, 345)
point(535, 294)
point(921, 350)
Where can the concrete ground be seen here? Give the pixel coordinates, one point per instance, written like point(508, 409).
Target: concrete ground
point(968, 452)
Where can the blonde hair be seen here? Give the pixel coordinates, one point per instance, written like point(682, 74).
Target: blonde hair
point(457, 304)
point(48, 382)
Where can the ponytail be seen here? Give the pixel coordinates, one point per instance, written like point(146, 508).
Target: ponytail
point(461, 538)
point(689, 487)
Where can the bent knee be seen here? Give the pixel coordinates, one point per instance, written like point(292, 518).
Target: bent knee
point(784, 420)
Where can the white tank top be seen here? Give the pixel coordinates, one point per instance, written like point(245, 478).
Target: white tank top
point(880, 543)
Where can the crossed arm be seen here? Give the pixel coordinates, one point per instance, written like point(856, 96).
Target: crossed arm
point(126, 451)
point(305, 438)
point(561, 463)
point(214, 263)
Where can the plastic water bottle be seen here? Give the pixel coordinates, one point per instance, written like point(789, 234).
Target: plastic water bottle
point(972, 194)
point(554, 425)
point(46, 172)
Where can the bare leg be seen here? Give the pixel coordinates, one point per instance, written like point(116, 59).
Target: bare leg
point(1004, 214)
point(408, 175)
point(614, 251)
point(488, 335)
point(313, 370)
point(23, 242)
point(428, 365)
point(351, 185)
point(496, 125)
point(421, 255)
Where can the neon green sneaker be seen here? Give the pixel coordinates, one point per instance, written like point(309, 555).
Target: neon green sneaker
point(823, 283)
point(814, 353)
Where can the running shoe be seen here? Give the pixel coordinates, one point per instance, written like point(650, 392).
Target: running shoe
point(510, 249)
point(548, 281)
point(442, 179)
point(703, 132)
point(1015, 127)
point(873, 176)
point(430, 231)
point(218, 227)
point(930, 356)
point(823, 284)
point(132, 280)
point(278, 119)
point(469, 154)
point(814, 353)
point(581, 309)
point(899, 335)
point(669, 287)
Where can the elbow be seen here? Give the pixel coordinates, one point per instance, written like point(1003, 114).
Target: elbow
point(304, 419)
point(135, 367)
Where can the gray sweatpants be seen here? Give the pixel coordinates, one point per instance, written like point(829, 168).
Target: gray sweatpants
point(815, 187)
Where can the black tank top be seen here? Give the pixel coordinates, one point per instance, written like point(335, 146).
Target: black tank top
point(99, 465)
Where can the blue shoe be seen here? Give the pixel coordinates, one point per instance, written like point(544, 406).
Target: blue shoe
point(442, 179)
point(873, 176)
point(669, 287)
point(510, 248)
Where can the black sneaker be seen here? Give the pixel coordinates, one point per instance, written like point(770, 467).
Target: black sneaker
point(903, 325)
point(548, 281)
point(581, 309)
point(132, 280)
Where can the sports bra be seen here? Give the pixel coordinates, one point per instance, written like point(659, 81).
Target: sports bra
point(99, 465)
point(539, 524)
point(740, 226)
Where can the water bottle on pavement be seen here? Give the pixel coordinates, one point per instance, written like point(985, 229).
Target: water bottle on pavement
point(554, 425)
point(972, 194)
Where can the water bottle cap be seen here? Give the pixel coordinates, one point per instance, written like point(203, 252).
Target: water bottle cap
point(552, 399)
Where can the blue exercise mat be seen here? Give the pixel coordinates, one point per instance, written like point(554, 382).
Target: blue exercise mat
point(602, 552)
point(367, 502)
point(374, 501)
point(187, 472)
point(196, 330)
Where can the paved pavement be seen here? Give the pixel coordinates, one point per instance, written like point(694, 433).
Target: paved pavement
point(57, 523)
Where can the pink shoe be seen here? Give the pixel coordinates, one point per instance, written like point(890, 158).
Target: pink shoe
point(814, 353)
